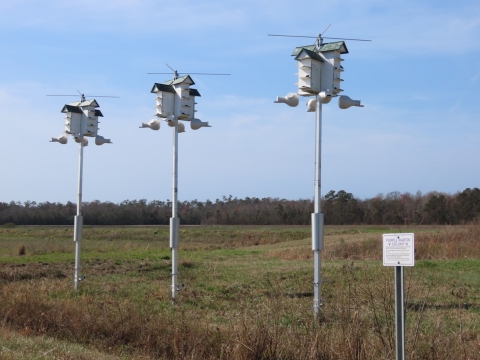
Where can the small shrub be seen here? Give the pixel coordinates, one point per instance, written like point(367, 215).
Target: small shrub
point(21, 250)
point(186, 264)
point(9, 225)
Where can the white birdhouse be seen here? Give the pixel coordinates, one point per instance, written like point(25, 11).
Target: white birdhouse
point(174, 97)
point(332, 69)
point(81, 118)
point(309, 72)
point(73, 119)
point(328, 58)
point(165, 100)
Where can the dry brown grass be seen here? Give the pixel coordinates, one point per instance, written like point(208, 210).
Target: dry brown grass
point(357, 324)
point(16, 346)
point(455, 242)
point(251, 306)
point(452, 242)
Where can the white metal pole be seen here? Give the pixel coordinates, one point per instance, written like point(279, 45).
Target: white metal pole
point(78, 222)
point(317, 217)
point(174, 221)
point(399, 313)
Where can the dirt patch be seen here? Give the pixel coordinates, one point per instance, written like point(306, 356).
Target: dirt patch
point(41, 270)
point(22, 272)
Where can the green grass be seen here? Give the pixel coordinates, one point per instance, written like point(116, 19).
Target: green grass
point(247, 293)
point(16, 346)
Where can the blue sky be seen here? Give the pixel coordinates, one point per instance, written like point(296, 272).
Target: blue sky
point(419, 80)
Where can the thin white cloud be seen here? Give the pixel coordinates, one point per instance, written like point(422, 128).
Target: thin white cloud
point(127, 16)
point(255, 147)
point(409, 28)
point(475, 78)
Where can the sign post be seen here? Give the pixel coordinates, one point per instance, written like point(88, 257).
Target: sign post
point(399, 251)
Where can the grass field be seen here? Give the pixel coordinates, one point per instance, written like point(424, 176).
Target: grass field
point(247, 294)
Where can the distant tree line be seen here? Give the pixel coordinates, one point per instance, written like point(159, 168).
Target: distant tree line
point(339, 208)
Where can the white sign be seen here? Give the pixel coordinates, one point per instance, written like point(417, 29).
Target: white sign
point(398, 250)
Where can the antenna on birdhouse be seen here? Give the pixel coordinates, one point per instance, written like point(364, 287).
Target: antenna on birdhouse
point(176, 73)
point(83, 96)
point(319, 41)
point(318, 36)
point(324, 31)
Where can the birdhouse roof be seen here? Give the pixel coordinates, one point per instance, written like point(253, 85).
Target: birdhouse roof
point(169, 88)
point(333, 46)
point(72, 109)
point(76, 109)
point(308, 53)
point(300, 48)
point(182, 79)
point(162, 87)
point(194, 92)
point(92, 102)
